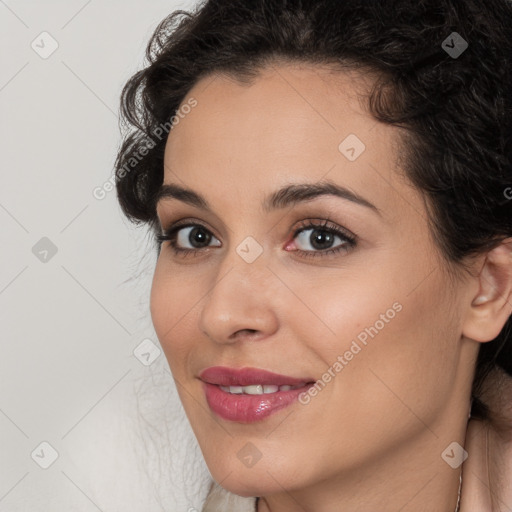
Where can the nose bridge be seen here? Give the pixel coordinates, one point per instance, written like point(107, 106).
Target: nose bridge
point(240, 297)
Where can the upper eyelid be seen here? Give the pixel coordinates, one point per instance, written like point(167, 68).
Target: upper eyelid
point(327, 224)
point(187, 224)
point(166, 226)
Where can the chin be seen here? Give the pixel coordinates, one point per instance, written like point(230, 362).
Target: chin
point(260, 480)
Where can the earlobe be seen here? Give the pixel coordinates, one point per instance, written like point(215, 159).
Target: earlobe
point(491, 306)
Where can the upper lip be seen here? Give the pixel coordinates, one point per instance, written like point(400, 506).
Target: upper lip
point(224, 376)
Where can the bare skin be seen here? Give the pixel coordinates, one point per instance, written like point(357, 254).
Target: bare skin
point(373, 438)
point(488, 469)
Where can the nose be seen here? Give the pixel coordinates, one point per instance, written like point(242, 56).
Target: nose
point(241, 302)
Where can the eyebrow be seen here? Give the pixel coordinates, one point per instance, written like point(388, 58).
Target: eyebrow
point(289, 195)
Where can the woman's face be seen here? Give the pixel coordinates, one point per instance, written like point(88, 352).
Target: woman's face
point(376, 320)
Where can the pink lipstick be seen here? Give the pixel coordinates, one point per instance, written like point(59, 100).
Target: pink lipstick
point(247, 395)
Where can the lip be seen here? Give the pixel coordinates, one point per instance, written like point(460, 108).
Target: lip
point(225, 376)
point(244, 408)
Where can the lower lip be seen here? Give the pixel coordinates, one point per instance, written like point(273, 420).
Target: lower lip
point(244, 408)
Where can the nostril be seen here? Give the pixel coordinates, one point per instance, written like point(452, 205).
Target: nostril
point(243, 332)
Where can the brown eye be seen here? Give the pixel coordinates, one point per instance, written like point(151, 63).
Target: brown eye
point(181, 235)
point(196, 235)
point(318, 239)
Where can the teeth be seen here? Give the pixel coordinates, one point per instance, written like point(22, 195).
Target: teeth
point(258, 389)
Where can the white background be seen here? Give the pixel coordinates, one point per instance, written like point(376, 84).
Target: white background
point(70, 324)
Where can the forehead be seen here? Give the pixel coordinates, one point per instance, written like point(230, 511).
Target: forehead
point(284, 105)
point(289, 124)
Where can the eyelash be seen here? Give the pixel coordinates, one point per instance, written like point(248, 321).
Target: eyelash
point(350, 241)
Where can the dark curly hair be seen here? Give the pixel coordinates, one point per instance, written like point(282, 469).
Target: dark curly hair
point(456, 109)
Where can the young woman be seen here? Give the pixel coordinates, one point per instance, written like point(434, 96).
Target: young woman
point(330, 186)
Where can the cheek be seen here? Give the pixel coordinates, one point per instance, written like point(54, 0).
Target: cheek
point(172, 303)
point(340, 307)
point(394, 377)
point(161, 302)
point(407, 350)
point(397, 343)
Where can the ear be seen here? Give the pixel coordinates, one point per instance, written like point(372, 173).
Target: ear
point(492, 305)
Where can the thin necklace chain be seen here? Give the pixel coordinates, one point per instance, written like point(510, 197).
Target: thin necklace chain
point(457, 508)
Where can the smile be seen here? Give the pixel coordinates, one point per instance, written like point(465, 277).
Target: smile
point(248, 395)
point(258, 389)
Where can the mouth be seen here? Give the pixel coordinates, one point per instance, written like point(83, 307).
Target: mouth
point(247, 395)
point(259, 389)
